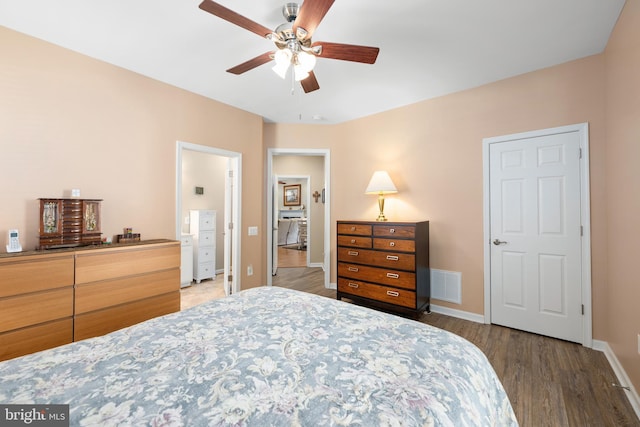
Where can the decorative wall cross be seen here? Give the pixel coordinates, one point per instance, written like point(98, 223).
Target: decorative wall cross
point(316, 195)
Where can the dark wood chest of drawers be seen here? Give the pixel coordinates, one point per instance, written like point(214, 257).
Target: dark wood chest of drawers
point(384, 264)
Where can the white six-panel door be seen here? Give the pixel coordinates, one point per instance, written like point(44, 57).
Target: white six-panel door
point(535, 235)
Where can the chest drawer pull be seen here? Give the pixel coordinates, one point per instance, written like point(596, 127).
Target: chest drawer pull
point(392, 244)
point(393, 293)
point(352, 253)
point(392, 230)
point(392, 257)
point(353, 240)
point(393, 275)
point(354, 269)
point(353, 285)
point(353, 228)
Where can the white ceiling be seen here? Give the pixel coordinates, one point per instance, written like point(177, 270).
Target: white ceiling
point(428, 48)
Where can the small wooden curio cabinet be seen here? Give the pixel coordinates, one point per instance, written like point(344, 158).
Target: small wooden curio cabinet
point(69, 222)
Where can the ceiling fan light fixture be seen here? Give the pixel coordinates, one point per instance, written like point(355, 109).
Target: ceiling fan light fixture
point(282, 59)
point(300, 73)
point(306, 61)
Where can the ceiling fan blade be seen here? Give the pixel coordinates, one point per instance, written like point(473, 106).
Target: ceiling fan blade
point(348, 52)
point(251, 64)
point(233, 17)
point(310, 14)
point(310, 83)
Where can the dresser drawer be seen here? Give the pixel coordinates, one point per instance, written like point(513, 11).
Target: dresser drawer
point(400, 231)
point(356, 229)
point(395, 245)
point(33, 308)
point(354, 241)
point(401, 297)
point(206, 220)
point(378, 258)
point(397, 278)
point(205, 270)
point(207, 238)
point(206, 254)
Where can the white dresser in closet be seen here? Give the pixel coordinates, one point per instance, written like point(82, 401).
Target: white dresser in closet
point(202, 226)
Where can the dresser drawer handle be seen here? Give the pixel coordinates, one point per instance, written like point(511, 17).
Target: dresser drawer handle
point(353, 228)
point(392, 230)
point(393, 275)
point(392, 244)
point(393, 293)
point(353, 240)
point(355, 269)
point(353, 285)
point(352, 253)
point(392, 257)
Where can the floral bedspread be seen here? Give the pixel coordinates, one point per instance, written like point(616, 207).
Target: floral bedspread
point(266, 357)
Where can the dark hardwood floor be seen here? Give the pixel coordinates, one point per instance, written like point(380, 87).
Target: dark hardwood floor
point(549, 382)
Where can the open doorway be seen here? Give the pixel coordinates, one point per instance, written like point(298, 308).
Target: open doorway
point(294, 217)
point(220, 171)
point(293, 163)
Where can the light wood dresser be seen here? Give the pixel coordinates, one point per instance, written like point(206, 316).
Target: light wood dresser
point(384, 265)
point(123, 285)
point(110, 287)
point(36, 302)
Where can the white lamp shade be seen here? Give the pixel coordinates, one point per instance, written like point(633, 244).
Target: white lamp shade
point(380, 183)
point(282, 59)
point(300, 73)
point(306, 61)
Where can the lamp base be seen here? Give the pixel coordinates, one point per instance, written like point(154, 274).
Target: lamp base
point(381, 217)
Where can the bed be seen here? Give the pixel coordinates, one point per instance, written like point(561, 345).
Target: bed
point(266, 356)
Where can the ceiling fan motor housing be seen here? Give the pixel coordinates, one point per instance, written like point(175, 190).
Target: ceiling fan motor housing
point(290, 11)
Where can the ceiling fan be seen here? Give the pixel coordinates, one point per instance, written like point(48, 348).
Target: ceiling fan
point(293, 43)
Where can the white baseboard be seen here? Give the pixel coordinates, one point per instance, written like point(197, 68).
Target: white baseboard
point(623, 379)
point(465, 315)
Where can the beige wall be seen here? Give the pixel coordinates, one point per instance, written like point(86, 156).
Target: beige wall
point(69, 121)
point(622, 323)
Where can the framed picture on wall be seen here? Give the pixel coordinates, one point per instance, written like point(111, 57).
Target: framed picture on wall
point(292, 195)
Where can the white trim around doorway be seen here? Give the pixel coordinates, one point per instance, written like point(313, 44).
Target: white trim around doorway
point(326, 153)
point(236, 215)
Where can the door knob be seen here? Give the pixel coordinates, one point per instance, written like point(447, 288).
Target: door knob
point(499, 242)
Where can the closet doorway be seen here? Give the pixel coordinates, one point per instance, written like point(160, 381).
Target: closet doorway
point(223, 178)
point(312, 166)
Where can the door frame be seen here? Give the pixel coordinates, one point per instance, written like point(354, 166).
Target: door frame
point(322, 152)
point(232, 197)
point(585, 214)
